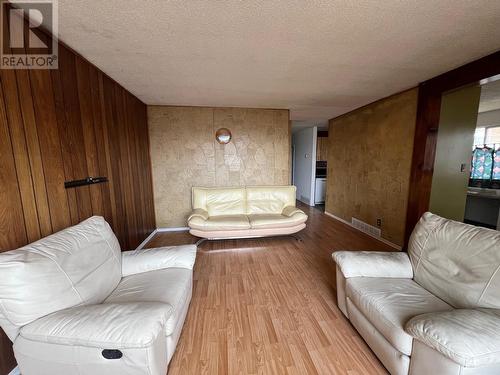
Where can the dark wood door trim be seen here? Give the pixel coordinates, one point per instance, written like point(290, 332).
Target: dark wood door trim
point(427, 124)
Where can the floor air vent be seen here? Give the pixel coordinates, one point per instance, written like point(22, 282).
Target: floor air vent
point(367, 228)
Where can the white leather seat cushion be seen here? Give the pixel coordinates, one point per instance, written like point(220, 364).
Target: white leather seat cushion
point(388, 303)
point(222, 222)
point(457, 262)
point(171, 285)
point(470, 338)
point(276, 220)
point(107, 326)
point(77, 266)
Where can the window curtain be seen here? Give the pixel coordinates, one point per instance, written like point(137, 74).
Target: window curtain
point(496, 164)
point(482, 163)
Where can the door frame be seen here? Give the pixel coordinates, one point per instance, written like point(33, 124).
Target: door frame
point(427, 125)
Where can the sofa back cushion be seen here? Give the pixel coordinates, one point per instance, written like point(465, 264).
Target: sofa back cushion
point(79, 265)
point(220, 201)
point(458, 263)
point(269, 199)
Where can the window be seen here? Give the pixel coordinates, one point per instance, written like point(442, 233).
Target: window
point(487, 136)
point(493, 135)
point(479, 137)
point(485, 166)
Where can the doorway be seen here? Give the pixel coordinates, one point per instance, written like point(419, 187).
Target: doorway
point(466, 178)
point(309, 163)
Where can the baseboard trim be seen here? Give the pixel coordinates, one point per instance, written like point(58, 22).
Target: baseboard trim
point(148, 238)
point(173, 229)
point(15, 371)
point(387, 242)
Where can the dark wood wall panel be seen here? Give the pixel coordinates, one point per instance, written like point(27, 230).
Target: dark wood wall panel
point(66, 124)
point(34, 152)
point(24, 178)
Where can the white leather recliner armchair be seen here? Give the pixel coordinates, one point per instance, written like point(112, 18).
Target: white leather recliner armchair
point(433, 310)
point(73, 303)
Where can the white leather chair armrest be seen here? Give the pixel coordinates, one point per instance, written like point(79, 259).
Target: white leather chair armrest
point(137, 261)
point(105, 325)
point(374, 264)
point(198, 212)
point(291, 210)
point(470, 338)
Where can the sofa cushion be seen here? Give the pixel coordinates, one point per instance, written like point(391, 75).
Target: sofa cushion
point(77, 266)
point(269, 199)
point(276, 220)
point(374, 264)
point(222, 222)
point(106, 326)
point(457, 262)
point(220, 201)
point(388, 303)
point(470, 338)
point(171, 285)
point(144, 260)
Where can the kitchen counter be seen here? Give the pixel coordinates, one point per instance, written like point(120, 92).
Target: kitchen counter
point(484, 193)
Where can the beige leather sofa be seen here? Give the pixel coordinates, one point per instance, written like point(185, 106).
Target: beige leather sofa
point(245, 212)
point(433, 310)
point(73, 303)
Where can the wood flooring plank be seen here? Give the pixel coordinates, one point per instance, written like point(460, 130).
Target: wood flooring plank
point(268, 306)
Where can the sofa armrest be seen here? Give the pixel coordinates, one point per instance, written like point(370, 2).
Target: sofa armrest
point(138, 261)
point(199, 212)
point(374, 264)
point(469, 337)
point(291, 210)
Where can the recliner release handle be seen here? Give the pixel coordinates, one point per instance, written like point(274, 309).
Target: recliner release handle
point(112, 354)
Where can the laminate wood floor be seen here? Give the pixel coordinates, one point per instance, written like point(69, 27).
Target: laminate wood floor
point(268, 306)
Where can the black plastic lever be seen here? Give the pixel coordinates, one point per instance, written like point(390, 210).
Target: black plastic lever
point(112, 354)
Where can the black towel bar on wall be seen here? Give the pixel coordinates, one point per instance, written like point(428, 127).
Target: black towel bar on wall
point(85, 181)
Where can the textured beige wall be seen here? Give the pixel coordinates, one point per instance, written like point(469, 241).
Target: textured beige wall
point(184, 153)
point(369, 161)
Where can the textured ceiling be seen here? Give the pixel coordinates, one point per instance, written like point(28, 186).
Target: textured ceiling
point(318, 58)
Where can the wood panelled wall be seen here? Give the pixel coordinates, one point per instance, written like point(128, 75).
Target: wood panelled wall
point(66, 124)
